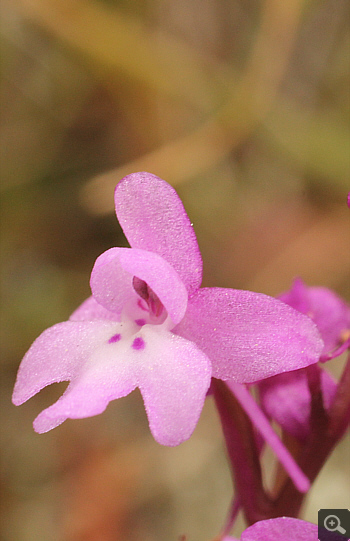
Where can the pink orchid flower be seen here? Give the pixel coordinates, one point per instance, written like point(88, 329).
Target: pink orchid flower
point(279, 529)
point(149, 325)
point(330, 313)
point(286, 398)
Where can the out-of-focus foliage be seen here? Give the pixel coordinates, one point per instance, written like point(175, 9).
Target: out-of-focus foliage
point(244, 107)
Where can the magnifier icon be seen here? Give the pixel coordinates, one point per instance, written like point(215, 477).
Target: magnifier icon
point(332, 524)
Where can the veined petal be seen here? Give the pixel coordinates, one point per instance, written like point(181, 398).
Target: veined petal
point(58, 355)
point(281, 529)
point(153, 218)
point(249, 336)
point(173, 381)
point(286, 399)
point(91, 310)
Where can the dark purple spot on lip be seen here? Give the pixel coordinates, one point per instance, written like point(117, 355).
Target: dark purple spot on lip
point(138, 343)
point(140, 322)
point(114, 338)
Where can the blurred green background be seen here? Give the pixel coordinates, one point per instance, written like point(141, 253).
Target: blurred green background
point(242, 105)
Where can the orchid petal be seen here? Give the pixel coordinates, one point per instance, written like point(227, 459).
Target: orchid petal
point(107, 360)
point(111, 285)
point(160, 276)
point(281, 529)
point(153, 218)
point(58, 354)
point(336, 352)
point(330, 313)
point(286, 399)
point(91, 310)
point(173, 383)
point(297, 296)
point(114, 270)
point(108, 373)
point(249, 336)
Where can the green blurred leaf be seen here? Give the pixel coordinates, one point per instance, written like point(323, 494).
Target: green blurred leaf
point(319, 142)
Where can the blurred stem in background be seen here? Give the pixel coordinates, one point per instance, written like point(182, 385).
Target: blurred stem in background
point(230, 104)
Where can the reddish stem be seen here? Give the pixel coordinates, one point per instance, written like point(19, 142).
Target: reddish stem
point(326, 429)
point(243, 453)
